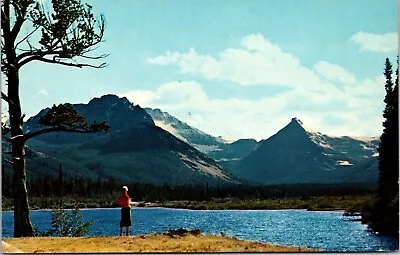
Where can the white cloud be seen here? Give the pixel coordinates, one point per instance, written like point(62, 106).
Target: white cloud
point(259, 62)
point(335, 73)
point(190, 63)
point(183, 91)
point(314, 94)
point(171, 93)
point(236, 118)
point(140, 97)
point(232, 117)
point(370, 88)
point(376, 42)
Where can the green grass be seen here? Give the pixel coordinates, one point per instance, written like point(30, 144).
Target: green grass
point(348, 203)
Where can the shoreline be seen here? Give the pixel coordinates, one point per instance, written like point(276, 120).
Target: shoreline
point(175, 208)
point(192, 209)
point(349, 204)
point(189, 241)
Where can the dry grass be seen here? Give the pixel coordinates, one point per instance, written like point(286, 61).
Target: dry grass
point(152, 243)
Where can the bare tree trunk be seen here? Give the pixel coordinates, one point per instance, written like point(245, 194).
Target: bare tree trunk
point(60, 183)
point(22, 223)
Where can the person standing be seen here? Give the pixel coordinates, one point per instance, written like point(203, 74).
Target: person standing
point(125, 202)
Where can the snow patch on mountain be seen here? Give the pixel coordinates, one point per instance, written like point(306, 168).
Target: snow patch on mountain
point(206, 148)
point(315, 136)
point(367, 148)
point(319, 139)
point(200, 140)
point(345, 145)
point(364, 138)
point(203, 167)
point(228, 159)
point(225, 140)
point(169, 128)
point(344, 163)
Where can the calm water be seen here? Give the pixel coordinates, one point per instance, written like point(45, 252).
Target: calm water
point(328, 231)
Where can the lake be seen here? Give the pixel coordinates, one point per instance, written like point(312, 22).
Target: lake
point(328, 231)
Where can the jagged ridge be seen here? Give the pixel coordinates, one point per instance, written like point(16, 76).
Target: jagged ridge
point(134, 149)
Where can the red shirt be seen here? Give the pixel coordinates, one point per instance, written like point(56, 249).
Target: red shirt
point(124, 200)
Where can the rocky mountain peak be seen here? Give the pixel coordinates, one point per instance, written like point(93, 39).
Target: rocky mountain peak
point(295, 120)
point(294, 127)
point(157, 114)
point(109, 99)
point(118, 112)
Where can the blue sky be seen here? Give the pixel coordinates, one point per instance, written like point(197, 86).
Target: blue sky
point(237, 69)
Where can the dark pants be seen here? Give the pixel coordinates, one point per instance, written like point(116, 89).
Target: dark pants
point(125, 217)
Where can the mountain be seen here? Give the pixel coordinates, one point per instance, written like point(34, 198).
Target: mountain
point(297, 154)
point(198, 139)
point(217, 148)
point(133, 150)
point(148, 145)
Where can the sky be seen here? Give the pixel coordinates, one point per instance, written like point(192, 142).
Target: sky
point(236, 68)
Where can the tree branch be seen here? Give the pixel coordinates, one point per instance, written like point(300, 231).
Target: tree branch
point(26, 37)
point(54, 61)
point(6, 98)
point(31, 53)
point(24, 50)
point(5, 18)
point(29, 135)
point(98, 57)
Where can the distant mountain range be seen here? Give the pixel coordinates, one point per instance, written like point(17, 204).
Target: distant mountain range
point(298, 155)
point(214, 147)
point(148, 145)
point(133, 150)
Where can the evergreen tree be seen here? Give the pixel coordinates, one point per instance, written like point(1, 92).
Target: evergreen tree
point(385, 214)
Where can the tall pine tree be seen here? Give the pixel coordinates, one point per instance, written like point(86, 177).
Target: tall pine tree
point(385, 214)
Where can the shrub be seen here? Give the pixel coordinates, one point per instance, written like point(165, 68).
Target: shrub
point(64, 223)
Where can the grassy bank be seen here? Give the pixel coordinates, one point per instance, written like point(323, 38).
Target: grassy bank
point(151, 243)
point(348, 203)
